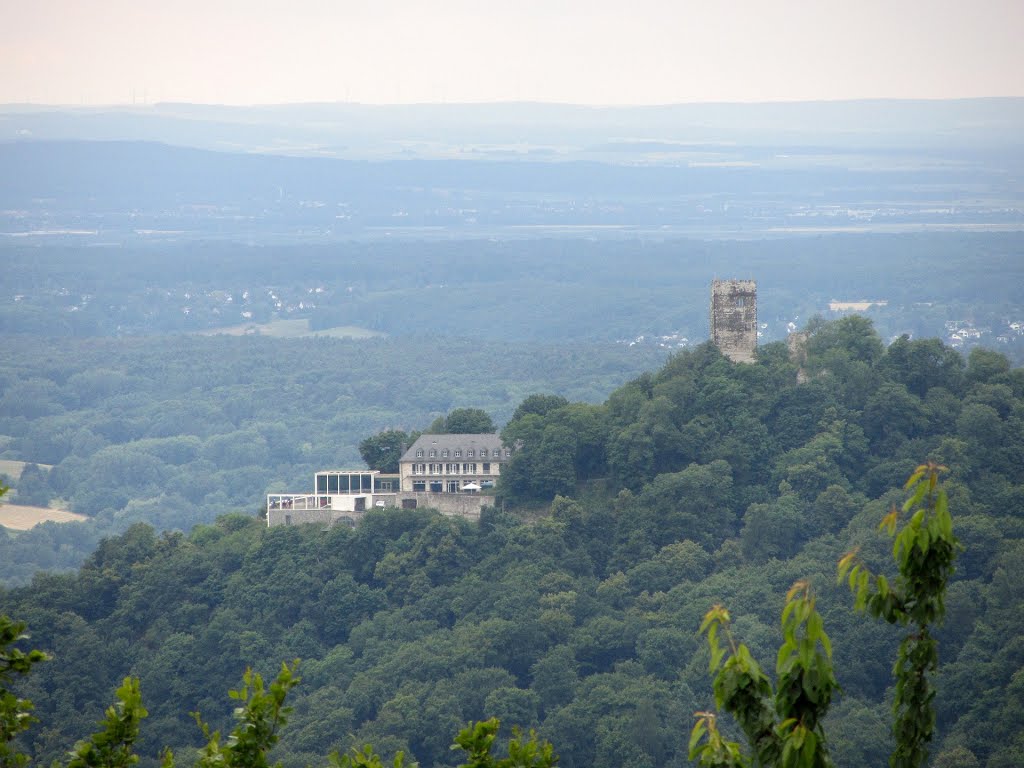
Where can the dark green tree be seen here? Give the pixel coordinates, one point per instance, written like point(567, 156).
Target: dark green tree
point(539, 405)
point(986, 366)
point(15, 712)
point(33, 486)
point(922, 364)
point(384, 450)
point(854, 337)
point(464, 421)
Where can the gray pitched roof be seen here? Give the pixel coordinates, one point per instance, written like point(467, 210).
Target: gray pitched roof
point(451, 443)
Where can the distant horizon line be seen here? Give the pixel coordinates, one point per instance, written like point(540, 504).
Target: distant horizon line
point(498, 102)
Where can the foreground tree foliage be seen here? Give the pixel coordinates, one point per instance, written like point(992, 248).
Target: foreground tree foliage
point(15, 712)
point(258, 720)
point(924, 550)
point(782, 722)
point(259, 717)
point(783, 725)
point(112, 747)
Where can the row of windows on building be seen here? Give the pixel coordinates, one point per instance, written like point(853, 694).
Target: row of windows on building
point(448, 486)
point(466, 468)
point(432, 453)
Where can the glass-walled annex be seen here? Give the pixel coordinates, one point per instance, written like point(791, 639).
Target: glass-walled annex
point(338, 490)
point(341, 482)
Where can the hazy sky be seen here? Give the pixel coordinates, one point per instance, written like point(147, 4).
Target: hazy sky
point(589, 51)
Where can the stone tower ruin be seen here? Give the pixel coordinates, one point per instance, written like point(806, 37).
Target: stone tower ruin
point(734, 319)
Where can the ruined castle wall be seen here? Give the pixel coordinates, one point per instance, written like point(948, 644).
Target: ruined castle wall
point(734, 319)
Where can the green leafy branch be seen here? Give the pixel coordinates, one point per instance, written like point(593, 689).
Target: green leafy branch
point(709, 748)
point(924, 549)
point(112, 746)
point(806, 681)
point(782, 726)
point(15, 712)
point(365, 759)
point(261, 715)
point(477, 739)
point(741, 688)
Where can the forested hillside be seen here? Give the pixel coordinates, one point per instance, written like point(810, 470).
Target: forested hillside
point(174, 431)
point(702, 482)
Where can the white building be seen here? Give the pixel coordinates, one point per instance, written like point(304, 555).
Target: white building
point(453, 471)
point(452, 463)
point(340, 495)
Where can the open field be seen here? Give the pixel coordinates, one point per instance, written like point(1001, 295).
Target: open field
point(21, 518)
point(292, 329)
point(13, 468)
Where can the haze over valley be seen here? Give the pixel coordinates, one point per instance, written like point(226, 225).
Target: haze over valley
point(330, 172)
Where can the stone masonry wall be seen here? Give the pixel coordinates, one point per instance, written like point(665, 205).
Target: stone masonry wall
point(734, 319)
point(467, 505)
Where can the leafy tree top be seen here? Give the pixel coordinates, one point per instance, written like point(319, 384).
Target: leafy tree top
point(463, 421)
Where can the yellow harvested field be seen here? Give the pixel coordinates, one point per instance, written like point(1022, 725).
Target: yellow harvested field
point(13, 468)
point(21, 518)
point(292, 329)
point(856, 306)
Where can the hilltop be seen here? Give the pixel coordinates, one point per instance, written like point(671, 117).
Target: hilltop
point(700, 482)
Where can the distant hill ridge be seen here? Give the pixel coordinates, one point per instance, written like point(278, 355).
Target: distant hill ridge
point(315, 128)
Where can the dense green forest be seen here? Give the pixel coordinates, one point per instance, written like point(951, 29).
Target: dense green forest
point(574, 606)
point(176, 430)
